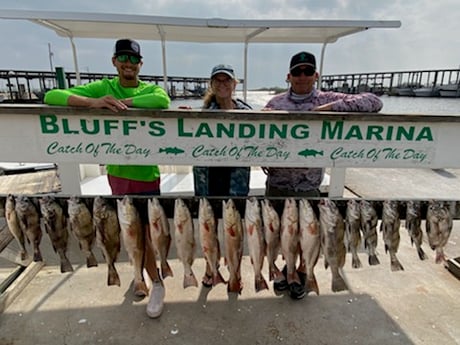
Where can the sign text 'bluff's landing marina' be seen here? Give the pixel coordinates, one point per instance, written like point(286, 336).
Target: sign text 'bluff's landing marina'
point(233, 141)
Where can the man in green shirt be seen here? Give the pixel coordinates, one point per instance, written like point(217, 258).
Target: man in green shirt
point(118, 94)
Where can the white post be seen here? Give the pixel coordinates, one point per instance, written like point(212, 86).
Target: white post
point(69, 174)
point(337, 182)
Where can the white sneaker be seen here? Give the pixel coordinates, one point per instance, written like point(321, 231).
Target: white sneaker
point(156, 300)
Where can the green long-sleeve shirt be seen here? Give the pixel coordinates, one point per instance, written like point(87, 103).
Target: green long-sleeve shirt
point(145, 95)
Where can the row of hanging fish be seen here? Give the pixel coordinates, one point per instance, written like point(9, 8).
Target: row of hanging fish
point(299, 235)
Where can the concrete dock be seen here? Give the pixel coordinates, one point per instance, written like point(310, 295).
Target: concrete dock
point(416, 306)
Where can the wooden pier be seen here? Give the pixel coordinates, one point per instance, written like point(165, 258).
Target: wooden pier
point(403, 83)
point(30, 86)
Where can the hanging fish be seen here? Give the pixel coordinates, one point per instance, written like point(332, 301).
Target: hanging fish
point(369, 222)
point(256, 241)
point(390, 228)
point(332, 235)
point(353, 231)
point(310, 243)
point(55, 225)
point(29, 222)
point(81, 226)
point(272, 229)
point(159, 234)
point(185, 241)
point(13, 225)
point(413, 225)
point(105, 222)
point(133, 237)
point(209, 241)
point(233, 237)
point(438, 228)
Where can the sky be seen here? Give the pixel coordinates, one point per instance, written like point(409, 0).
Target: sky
point(427, 39)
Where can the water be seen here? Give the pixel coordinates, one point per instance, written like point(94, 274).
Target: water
point(391, 104)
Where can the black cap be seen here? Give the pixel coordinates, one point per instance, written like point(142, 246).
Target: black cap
point(127, 46)
point(302, 59)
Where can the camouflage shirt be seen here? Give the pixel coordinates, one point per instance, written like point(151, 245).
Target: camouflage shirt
point(304, 179)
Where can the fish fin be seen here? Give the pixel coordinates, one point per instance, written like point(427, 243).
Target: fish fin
point(190, 280)
point(421, 253)
point(91, 260)
point(217, 278)
point(355, 262)
point(140, 288)
point(338, 284)
point(113, 277)
point(261, 284)
point(373, 260)
point(38, 256)
point(235, 285)
point(312, 285)
point(396, 265)
point(66, 266)
point(166, 270)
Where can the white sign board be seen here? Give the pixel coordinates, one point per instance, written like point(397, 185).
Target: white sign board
point(236, 140)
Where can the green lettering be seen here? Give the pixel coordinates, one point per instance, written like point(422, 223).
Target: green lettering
point(48, 124)
point(109, 125)
point(246, 130)
point(128, 125)
point(280, 132)
point(425, 134)
point(299, 132)
point(84, 127)
point(66, 127)
point(407, 134)
point(228, 131)
point(157, 129)
point(375, 131)
point(180, 129)
point(354, 132)
point(204, 130)
point(329, 132)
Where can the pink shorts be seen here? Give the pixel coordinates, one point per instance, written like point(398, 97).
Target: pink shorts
point(122, 186)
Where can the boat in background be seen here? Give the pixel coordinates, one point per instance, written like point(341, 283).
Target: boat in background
point(450, 90)
point(428, 91)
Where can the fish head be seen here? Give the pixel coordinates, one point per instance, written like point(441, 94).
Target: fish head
point(413, 208)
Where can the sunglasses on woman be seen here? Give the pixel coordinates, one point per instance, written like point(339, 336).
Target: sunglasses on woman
point(307, 71)
point(133, 59)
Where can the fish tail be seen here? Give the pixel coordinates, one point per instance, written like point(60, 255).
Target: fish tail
point(217, 278)
point(355, 262)
point(421, 253)
point(66, 266)
point(440, 257)
point(166, 270)
point(312, 284)
point(338, 284)
point(373, 260)
point(140, 288)
point(37, 255)
point(261, 284)
point(190, 280)
point(395, 264)
point(275, 274)
point(23, 255)
point(234, 285)
point(113, 277)
point(91, 260)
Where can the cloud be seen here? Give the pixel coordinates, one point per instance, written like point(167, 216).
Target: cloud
point(426, 39)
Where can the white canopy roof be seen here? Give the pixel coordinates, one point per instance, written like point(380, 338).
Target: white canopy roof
point(200, 30)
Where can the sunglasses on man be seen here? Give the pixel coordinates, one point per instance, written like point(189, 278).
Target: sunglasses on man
point(307, 71)
point(133, 59)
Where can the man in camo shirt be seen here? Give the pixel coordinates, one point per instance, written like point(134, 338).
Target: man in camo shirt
point(303, 96)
